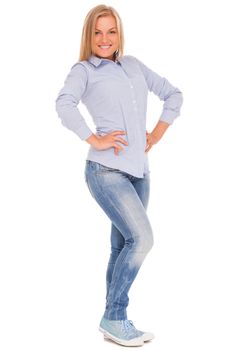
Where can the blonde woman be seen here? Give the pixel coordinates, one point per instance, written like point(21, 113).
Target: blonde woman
point(114, 88)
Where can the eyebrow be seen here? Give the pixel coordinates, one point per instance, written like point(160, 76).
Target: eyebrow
point(109, 29)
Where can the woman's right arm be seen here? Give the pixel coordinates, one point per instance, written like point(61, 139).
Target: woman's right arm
point(68, 99)
point(66, 107)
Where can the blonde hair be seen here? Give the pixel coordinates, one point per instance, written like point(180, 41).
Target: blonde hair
point(88, 31)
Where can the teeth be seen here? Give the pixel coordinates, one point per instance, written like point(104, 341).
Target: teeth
point(105, 46)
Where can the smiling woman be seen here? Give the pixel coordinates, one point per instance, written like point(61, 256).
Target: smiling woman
point(114, 88)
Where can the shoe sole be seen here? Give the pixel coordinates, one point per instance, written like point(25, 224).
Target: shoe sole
point(145, 337)
point(133, 342)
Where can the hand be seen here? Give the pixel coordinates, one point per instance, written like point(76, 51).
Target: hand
point(150, 141)
point(154, 137)
point(109, 140)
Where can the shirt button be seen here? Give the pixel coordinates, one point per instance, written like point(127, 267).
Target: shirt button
point(134, 101)
point(131, 86)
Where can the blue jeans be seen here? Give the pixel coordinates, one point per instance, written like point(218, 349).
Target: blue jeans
point(124, 199)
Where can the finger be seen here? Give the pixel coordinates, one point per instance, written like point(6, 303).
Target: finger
point(118, 146)
point(147, 147)
point(118, 132)
point(116, 151)
point(121, 140)
point(147, 150)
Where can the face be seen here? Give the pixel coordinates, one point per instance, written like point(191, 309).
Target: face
point(106, 38)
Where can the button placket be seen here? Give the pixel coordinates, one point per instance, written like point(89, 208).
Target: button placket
point(131, 119)
point(133, 97)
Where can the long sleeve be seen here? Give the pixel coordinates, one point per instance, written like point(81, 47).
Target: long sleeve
point(68, 99)
point(161, 87)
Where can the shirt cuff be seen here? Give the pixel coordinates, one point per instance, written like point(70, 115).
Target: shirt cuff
point(168, 116)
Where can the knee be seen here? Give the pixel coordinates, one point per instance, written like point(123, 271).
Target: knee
point(146, 240)
point(142, 242)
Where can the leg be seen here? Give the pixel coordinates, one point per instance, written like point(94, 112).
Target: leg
point(117, 244)
point(142, 187)
point(115, 193)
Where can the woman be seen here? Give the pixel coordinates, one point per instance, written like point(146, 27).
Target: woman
point(114, 89)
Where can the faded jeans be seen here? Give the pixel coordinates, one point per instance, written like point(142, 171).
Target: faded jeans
point(124, 199)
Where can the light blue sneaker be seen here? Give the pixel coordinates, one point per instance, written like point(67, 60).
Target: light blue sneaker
point(147, 336)
point(122, 332)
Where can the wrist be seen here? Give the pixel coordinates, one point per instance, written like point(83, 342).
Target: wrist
point(93, 140)
point(155, 138)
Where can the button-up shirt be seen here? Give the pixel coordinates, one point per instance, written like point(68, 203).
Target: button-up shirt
point(115, 94)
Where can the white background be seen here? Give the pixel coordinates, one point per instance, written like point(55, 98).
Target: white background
point(55, 239)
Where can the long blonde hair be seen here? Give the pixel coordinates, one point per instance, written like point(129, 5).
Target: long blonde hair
point(89, 30)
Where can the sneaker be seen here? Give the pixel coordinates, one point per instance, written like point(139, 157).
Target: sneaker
point(147, 336)
point(121, 331)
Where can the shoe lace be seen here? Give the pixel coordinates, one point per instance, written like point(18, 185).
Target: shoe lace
point(129, 326)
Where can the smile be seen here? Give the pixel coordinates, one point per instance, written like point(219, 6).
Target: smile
point(105, 47)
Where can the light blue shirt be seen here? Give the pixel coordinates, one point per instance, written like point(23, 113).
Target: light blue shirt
point(115, 94)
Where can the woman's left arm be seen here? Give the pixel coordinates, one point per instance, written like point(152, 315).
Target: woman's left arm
point(172, 98)
point(156, 134)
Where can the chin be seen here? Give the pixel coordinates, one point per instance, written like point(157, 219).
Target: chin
point(101, 53)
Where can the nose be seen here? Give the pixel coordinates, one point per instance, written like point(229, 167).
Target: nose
point(104, 38)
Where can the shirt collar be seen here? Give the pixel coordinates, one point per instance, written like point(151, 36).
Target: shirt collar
point(96, 61)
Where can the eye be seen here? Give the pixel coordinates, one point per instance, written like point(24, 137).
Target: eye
point(97, 32)
point(112, 31)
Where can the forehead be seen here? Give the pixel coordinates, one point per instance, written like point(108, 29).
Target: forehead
point(105, 22)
